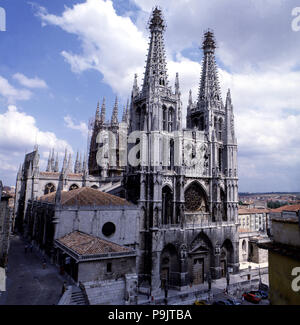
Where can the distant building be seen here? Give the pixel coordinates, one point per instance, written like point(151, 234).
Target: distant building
point(5, 226)
point(253, 229)
point(284, 255)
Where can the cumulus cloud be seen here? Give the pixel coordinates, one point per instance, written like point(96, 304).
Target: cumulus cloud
point(111, 44)
point(12, 94)
point(30, 82)
point(259, 62)
point(82, 127)
point(19, 132)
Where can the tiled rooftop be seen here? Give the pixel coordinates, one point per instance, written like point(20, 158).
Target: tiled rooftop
point(86, 196)
point(84, 244)
point(294, 207)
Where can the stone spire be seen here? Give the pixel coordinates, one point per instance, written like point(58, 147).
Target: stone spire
point(156, 71)
point(229, 119)
point(77, 165)
point(103, 109)
point(69, 168)
point(135, 88)
point(80, 164)
point(190, 98)
point(177, 89)
point(209, 90)
point(56, 168)
point(97, 116)
point(49, 163)
point(64, 167)
point(84, 165)
point(127, 112)
point(124, 114)
point(52, 161)
point(114, 117)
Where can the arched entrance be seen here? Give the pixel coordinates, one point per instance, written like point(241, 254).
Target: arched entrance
point(201, 258)
point(169, 265)
point(226, 257)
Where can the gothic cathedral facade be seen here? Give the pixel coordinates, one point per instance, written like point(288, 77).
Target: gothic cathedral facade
point(189, 207)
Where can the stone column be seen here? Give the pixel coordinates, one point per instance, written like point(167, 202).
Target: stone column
point(216, 269)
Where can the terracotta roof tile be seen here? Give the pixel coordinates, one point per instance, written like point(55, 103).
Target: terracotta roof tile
point(294, 207)
point(84, 244)
point(86, 196)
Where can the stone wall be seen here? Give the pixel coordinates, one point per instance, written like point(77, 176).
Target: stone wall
point(112, 292)
point(91, 220)
point(97, 270)
point(5, 219)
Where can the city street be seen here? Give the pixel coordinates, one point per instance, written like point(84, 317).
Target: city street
point(27, 282)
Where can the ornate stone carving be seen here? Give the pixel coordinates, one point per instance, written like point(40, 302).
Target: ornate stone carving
point(194, 199)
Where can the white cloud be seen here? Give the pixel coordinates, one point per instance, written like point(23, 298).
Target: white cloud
point(12, 94)
point(111, 44)
point(30, 82)
point(82, 127)
point(19, 132)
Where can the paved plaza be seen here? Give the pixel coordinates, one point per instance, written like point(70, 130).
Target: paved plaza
point(27, 282)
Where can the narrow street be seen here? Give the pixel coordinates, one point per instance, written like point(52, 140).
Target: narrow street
point(27, 282)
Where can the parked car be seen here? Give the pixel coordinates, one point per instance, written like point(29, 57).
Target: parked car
point(200, 302)
point(221, 302)
point(252, 296)
point(233, 301)
point(262, 293)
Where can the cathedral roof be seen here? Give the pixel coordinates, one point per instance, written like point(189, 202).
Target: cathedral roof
point(86, 196)
point(85, 244)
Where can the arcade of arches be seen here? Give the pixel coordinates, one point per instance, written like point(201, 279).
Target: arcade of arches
point(201, 259)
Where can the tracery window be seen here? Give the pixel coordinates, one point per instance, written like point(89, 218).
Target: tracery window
point(73, 187)
point(49, 188)
point(195, 199)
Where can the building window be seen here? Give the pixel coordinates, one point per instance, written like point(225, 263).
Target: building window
point(109, 267)
point(108, 229)
point(49, 188)
point(73, 187)
point(170, 122)
point(220, 159)
point(165, 117)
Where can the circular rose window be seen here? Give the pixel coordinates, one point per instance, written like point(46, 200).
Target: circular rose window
point(108, 229)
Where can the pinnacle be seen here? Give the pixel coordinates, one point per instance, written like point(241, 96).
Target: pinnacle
point(156, 20)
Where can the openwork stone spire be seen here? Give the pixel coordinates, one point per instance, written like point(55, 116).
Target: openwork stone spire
point(103, 109)
point(156, 71)
point(114, 117)
point(97, 116)
point(209, 91)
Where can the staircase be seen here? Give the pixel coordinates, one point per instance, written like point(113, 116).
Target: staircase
point(78, 297)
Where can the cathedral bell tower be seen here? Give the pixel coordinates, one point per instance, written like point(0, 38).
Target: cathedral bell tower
point(155, 116)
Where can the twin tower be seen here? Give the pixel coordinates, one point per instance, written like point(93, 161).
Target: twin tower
point(189, 211)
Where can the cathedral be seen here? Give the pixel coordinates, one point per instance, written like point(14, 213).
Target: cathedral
point(182, 180)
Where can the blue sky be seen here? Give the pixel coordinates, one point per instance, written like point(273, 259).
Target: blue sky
point(59, 57)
